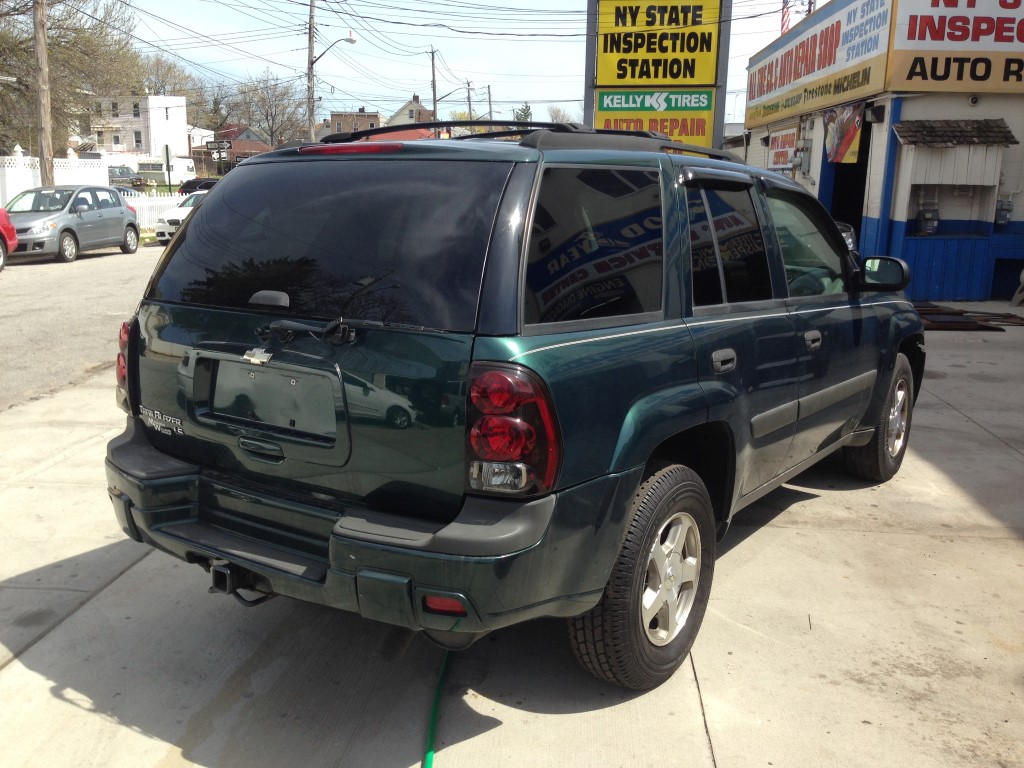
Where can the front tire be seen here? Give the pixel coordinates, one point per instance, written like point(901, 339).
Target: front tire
point(130, 243)
point(3, 255)
point(658, 590)
point(67, 248)
point(880, 459)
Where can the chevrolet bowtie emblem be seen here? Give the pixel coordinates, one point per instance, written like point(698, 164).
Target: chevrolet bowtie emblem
point(258, 356)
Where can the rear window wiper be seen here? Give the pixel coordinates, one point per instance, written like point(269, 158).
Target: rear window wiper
point(337, 330)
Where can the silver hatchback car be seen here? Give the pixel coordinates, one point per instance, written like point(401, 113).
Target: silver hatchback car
point(63, 221)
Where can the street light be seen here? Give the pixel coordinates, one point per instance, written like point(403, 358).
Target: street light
point(309, 72)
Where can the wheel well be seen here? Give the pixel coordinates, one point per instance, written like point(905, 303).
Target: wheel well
point(708, 451)
point(913, 348)
point(69, 232)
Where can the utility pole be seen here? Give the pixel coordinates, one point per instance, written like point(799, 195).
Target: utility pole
point(490, 109)
point(469, 100)
point(43, 93)
point(309, 76)
point(433, 89)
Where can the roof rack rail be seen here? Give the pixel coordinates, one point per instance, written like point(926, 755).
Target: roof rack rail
point(545, 135)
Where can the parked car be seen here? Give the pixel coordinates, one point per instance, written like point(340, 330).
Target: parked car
point(651, 335)
point(64, 221)
point(366, 401)
point(8, 237)
point(168, 221)
point(196, 184)
point(122, 174)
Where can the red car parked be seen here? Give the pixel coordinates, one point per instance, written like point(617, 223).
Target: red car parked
point(8, 237)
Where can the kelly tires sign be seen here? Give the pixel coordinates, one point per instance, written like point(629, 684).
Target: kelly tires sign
point(682, 115)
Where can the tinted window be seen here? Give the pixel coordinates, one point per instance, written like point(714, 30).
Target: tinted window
point(814, 260)
point(706, 277)
point(740, 244)
point(400, 242)
point(596, 245)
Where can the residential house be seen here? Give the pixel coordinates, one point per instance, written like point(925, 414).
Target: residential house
point(245, 142)
point(347, 122)
point(412, 112)
point(138, 125)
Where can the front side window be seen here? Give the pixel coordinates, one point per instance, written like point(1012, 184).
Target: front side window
point(812, 254)
point(596, 245)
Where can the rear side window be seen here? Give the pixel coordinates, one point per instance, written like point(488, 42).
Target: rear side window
point(739, 271)
point(596, 245)
point(396, 242)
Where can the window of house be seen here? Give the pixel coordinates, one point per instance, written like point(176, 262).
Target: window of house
point(99, 137)
point(136, 109)
point(114, 112)
point(596, 245)
point(412, 114)
point(811, 250)
point(138, 139)
point(97, 108)
point(117, 139)
point(373, 124)
point(337, 126)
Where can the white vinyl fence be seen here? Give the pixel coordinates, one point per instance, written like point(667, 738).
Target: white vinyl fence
point(149, 205)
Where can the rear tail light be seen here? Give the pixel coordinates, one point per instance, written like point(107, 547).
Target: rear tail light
point(513, 443)
point(121, 368)
point(130, 208)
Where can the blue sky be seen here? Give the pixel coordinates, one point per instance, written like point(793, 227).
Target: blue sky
point(524, 50)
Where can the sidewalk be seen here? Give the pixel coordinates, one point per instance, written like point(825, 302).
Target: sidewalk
point(849, 625)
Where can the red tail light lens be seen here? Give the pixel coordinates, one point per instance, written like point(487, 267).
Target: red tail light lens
point(513, 444)
point(121, 368)
point(132, 210)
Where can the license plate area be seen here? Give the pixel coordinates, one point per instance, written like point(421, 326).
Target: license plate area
point(290, 401)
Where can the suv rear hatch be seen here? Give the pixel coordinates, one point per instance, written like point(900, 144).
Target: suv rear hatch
point(297, 330)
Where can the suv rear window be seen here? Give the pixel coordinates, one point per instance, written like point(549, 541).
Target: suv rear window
point(394, 242)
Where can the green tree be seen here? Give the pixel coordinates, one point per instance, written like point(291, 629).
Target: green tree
point(523, 114)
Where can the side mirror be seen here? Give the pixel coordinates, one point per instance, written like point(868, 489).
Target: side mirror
point(883, 273)
point(81, 208)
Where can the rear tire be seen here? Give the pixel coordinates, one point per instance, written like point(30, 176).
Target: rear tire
point(67, 248)
point(130, 243)
point(880, 459)
point(398, 418)
point(654, 602)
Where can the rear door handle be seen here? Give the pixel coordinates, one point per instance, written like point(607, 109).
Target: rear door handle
point(262, 450)
point(813, 340)
point(723, 360)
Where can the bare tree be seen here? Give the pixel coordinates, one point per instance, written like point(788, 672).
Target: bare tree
point(90, 54)
point(272, 106)
point(560, 115)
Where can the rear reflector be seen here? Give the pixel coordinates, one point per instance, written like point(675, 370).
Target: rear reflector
point(449, 606)
point(359, 148)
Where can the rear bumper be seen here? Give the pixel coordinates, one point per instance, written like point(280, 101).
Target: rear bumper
point(506, 560)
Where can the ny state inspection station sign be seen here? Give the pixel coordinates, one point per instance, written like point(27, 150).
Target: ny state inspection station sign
point(657, 67)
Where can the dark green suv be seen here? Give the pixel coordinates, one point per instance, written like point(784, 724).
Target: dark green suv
point(650, 340)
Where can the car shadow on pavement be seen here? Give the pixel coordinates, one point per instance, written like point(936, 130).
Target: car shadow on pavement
point(218, 684)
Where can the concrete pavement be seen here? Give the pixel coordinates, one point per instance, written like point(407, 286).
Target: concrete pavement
point(849, 625)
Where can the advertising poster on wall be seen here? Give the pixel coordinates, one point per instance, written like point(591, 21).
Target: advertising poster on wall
point(835, 56)
point(842, 132)
point(958, 45)
point(781, 149)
